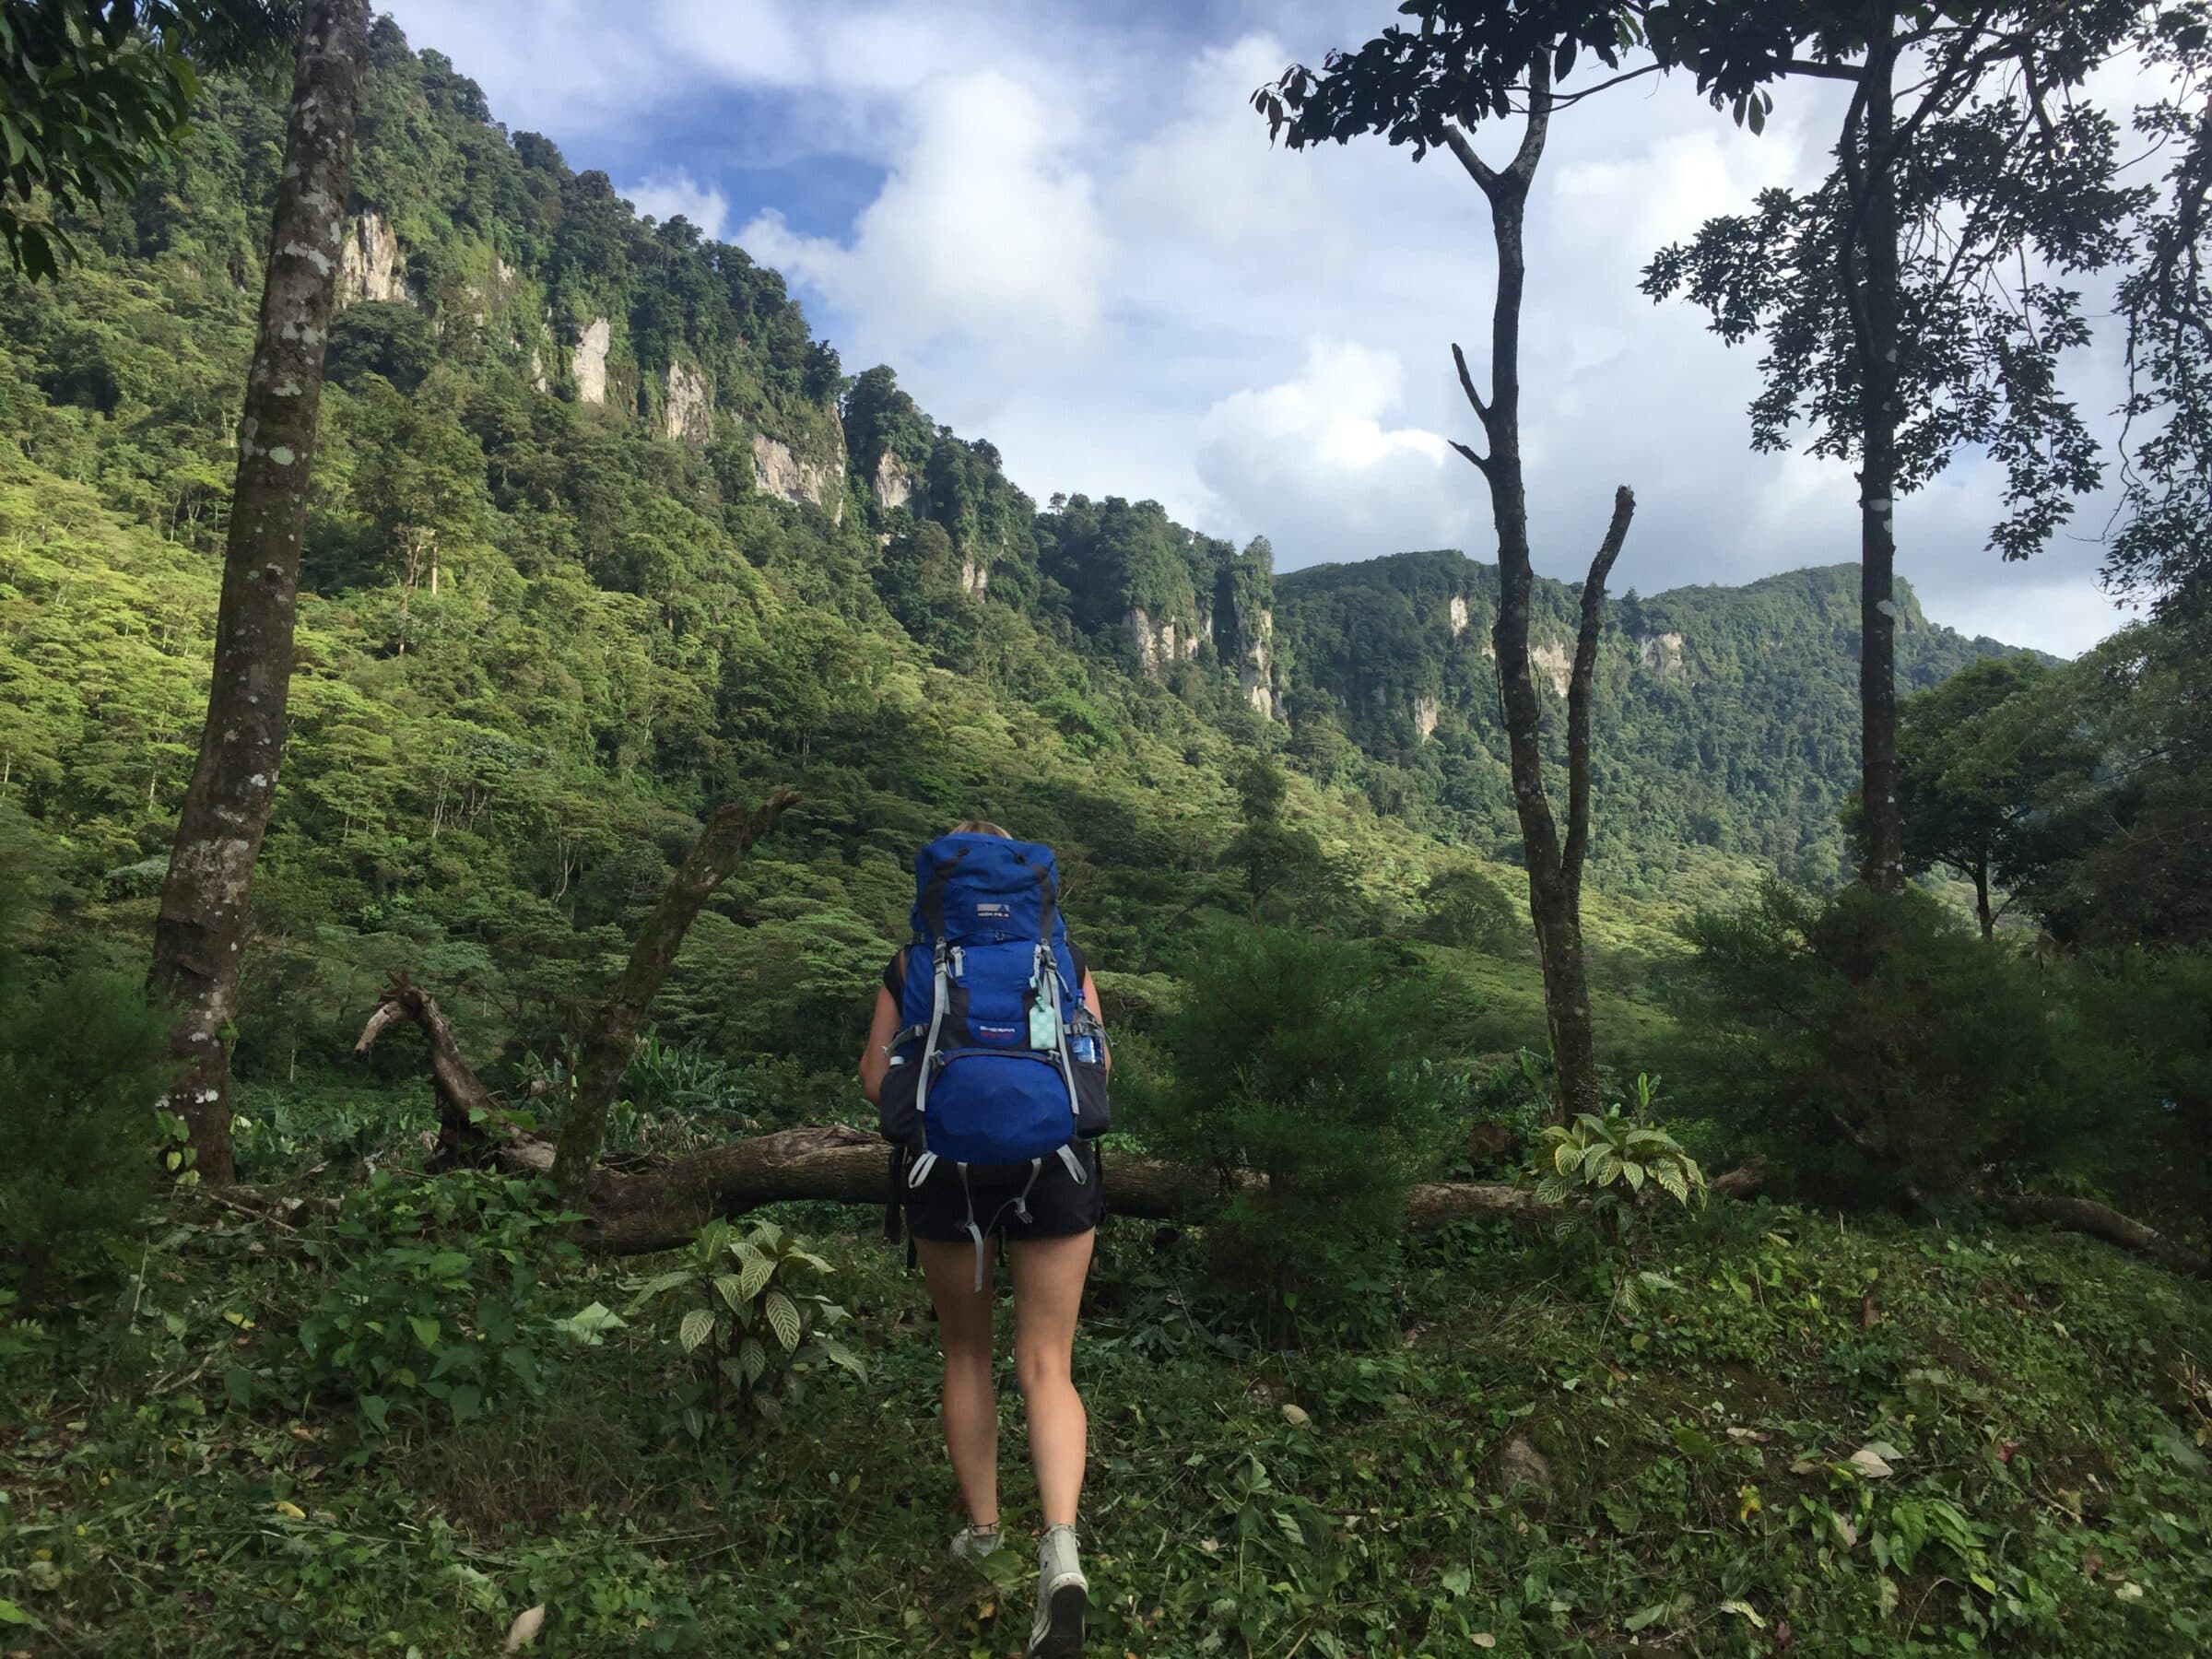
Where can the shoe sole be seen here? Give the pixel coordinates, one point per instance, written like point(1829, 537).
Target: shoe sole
point(1063, 1628)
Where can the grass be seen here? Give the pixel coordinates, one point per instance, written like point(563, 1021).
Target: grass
point(2038, 1401)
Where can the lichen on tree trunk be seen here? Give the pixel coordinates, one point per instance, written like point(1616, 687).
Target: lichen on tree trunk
point(201, 932)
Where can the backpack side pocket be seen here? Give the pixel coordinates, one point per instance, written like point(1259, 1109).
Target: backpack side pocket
point(896, 1118)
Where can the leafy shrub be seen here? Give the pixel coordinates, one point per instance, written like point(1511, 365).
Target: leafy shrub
point(1606, 1167)
point(1462, 905)
point(431, 1302)
point(2151, 1015)
point(81, 1069)
point(742, 1324)
point(1875, 1044)
point(1297, 1071)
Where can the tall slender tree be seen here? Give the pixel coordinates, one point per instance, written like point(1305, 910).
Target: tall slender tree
point(1368, 91)
point(1915, 302)
point(201, 932)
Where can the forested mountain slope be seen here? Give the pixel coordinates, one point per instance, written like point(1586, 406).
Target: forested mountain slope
point(604, 536)
point(1727, 717)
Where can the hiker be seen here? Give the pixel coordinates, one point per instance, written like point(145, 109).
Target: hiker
point(987, 1063)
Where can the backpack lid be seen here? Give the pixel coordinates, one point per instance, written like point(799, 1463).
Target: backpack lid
point(979, 889)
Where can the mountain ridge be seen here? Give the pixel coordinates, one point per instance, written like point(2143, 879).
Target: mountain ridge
point(592, 486)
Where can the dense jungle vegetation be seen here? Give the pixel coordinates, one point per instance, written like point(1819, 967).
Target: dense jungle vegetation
point(603, 537)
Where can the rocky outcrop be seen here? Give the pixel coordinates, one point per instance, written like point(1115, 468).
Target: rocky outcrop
point(976, 576)
point(369, 263)
point(1424, 717)
point(1554, 660)
point(1255, 672)
point(587, 363)
point(1157, 645)
point(689, 413)
point(896, 486)
point(1662, 653)
point(1458, 610)
point(780, 473)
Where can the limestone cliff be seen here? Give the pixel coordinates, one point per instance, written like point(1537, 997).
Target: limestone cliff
point(370, 265)
point(587, 362)
point(689, 413)
point(1662, 653)
point(789, 477)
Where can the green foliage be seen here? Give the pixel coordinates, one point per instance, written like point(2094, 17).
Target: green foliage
point(1298, 1061)
point(744, 1325)
point(2117, 849)
point(1607, 1167)
point(428, 1308)
point(1466, 906)
point(1871, 1040)
point(81, 1072)
point(1977, 771)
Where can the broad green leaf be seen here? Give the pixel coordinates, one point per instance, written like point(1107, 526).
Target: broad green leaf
point(758, 1270)
point(659, 1285)
point(426, 1330)
point(782, 1318)
point(754, 1358)
point(726, 1285)
point(1633, 1173)
point(1567, 1159)
point(699, 1324)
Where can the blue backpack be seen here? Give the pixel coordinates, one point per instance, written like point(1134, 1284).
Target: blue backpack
point(998, 1061)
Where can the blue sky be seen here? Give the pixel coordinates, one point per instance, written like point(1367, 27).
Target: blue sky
point(1062, 226)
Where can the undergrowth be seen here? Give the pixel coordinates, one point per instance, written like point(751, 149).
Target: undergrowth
point(1864, 1439)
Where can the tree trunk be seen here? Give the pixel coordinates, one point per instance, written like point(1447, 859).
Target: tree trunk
point(661, 1208)
point(1554, 872)
point(612, 1036)
point(1869, 255)
point(200, 934)
point(1982, 910)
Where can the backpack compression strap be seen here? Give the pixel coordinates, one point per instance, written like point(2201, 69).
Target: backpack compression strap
point(939, 969)
point(1050, 982)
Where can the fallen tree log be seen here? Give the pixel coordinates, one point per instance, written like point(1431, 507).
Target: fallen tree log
point(2102, 1222)
point(630, 1212)
point(657, 1209)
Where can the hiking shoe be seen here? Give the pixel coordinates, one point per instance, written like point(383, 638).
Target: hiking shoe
point(1063, 1592)
point(972, 1543)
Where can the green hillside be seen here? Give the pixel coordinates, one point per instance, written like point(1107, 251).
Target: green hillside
point(1728, 717)
point(604, 536)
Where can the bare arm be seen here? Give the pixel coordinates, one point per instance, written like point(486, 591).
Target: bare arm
point(875, 1054)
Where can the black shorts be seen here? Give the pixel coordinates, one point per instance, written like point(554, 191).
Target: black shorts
point(1057, 1205)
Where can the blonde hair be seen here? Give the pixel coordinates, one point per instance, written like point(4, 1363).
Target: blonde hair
point(981, 827)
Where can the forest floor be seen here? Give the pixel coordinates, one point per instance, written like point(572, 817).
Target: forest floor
point(1801, 1435)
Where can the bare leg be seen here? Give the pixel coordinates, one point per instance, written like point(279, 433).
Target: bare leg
point(971, 1397)
point(1047, 1294)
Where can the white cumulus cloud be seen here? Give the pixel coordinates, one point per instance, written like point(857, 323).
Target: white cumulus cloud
point(664, 195)
point(1313, 462)
point(985, 229)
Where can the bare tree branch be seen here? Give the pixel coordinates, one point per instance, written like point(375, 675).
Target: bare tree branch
point(1579, 687)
